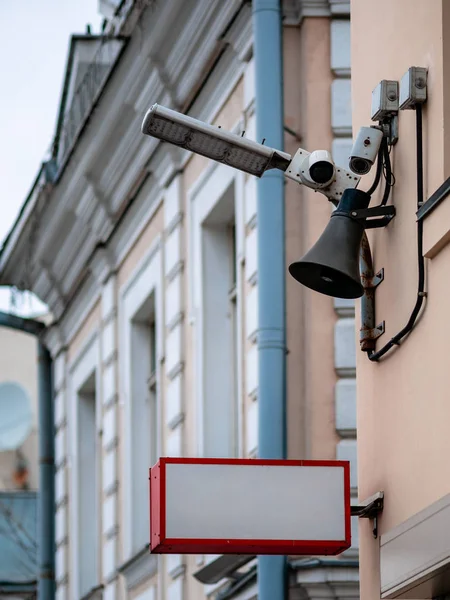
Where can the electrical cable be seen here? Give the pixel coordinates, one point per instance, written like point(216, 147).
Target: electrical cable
point(387, 173)
point(379, 170)
point(395, 341)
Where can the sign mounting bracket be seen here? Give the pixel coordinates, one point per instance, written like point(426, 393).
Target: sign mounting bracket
point(370, 509)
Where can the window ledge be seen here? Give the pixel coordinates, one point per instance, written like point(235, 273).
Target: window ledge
point(139, 567)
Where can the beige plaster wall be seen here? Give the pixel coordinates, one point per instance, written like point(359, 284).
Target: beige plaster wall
point(403, 444)
point(310, 316)
point(154, 228)
point(18, 364)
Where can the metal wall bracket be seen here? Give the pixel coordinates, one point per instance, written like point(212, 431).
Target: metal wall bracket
point(370, 509)
point(377, 216)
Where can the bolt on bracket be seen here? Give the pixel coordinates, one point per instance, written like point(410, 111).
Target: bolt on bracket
point(371, 334)
point(370, 509)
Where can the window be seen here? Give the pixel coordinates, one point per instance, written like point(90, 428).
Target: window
point(88, 531)
point(220, 311)
point(143, 407)
point(140, 318)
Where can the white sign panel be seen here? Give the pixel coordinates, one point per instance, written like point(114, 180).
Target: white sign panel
point(249, 506)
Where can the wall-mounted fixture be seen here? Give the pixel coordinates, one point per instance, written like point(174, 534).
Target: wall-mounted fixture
point(385, 99)
point(340, 263)
point(412, 95)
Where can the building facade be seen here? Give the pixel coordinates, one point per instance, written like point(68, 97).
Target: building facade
point(147, 258)
point(402, 400)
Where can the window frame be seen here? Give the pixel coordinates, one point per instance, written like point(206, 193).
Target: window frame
point(203, 197)
point(145, 280)
point(80, 370)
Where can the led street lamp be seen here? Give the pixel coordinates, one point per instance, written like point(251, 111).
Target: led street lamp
point(315, 170)
point(212, 142)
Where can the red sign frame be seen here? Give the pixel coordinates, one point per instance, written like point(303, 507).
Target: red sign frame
point(160, 544)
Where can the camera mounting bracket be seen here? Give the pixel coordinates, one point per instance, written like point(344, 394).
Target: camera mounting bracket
point(342, 180)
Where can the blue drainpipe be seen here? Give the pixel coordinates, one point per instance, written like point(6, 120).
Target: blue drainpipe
point(46, 491)
point(268, 57)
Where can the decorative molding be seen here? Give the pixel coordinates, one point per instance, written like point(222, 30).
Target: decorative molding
point(174, 222)
point(240, 34)
point(96, 593)
point(178, 571)
point(102, 264)
point(139, 568)
point(111, 401)
point(340, 8)
point(177, 320)
point(62, 581)
point(112, 357)
point(64, 541)
point(175, 421)
point(111, 489)
point(63, 501)
point(175, 270)
point(185, 69)
point(176, 370)
point(109, 317)
point(112, 445)
point(56, 342)
point(112, 533)
point(344, 308)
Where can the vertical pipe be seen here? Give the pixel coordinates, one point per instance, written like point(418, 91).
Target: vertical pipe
point(46, 493)
point(267, 31)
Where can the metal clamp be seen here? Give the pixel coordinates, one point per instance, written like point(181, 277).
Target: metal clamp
point(370, 334)
point(370, 509)
point(370, 283)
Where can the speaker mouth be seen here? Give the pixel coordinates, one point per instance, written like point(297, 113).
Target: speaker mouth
point(326, 280)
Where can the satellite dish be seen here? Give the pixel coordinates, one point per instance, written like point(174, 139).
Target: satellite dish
point(15, 416)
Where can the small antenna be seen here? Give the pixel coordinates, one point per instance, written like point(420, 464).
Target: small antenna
point(243, 133)
point(264, 139)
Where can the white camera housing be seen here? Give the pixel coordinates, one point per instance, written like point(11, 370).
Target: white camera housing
point(318, 169)
point(365, 150)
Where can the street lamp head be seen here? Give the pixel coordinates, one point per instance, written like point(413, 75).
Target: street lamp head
point(211, 141)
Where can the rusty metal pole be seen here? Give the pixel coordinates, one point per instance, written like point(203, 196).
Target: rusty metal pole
point(369, 332)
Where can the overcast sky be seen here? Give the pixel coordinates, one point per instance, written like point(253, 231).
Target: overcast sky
point(33, 51)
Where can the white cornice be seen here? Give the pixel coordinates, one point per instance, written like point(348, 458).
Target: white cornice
point(81, 211)
point(240, 34)
point(102, 264)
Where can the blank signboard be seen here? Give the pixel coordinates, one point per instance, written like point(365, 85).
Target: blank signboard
point(246, 506)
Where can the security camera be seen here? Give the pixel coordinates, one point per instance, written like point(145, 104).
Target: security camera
point(318, 169)
point(365, 150)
